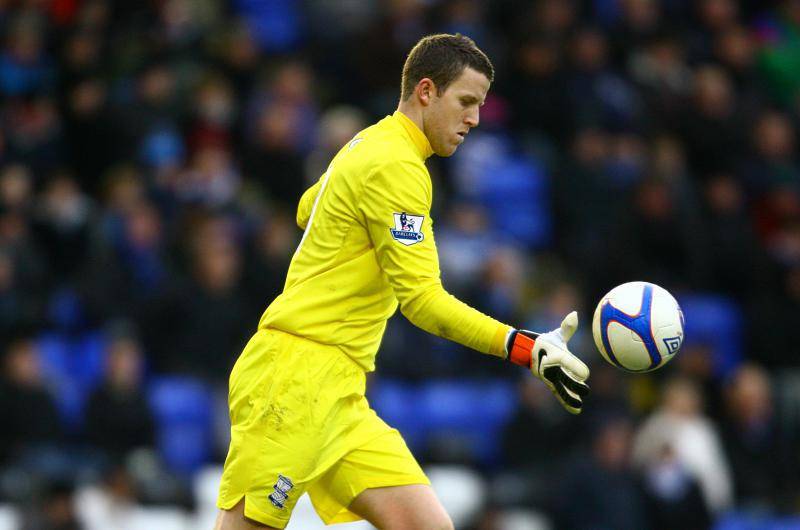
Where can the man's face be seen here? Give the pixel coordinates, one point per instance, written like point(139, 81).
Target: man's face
point(450, 115)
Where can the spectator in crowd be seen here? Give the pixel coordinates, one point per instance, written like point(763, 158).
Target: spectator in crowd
point(531, 434)
point(129, 264)
point(28, 409)
point(264, 269)
point(337, 126)
point(672, 496)
point(25, 66)
point(88, 131)
point(62, 224)
point(773, 165)
point(34, 132)
point(662, 243)
point(773, 334)
point(199, 324)
point(55, 510)
point(109, 503)
point(539, 89)
point(463, 242)
point(604, 481)
point(730, 236)
point(763, 462)
point(714, 123)
point(680, 425)
point(658, 66)
point(118, 417)
point(599, 96)
point(279, 132)
point(735, 49)
point(585, 200)
point(714, 17)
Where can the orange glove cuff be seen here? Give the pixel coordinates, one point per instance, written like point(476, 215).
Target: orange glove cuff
point(521, 350)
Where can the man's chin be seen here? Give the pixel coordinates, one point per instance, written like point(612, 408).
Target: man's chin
point(449, 151)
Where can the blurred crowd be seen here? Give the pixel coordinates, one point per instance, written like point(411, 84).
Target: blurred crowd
point(152, 154)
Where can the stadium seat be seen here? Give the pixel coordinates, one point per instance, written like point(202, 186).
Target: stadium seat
point(394, 401)
point(469, 412)
point(715, 321)
point(466, 414)
point(73, 367)
point(748, 521)
point(183, 410)
point(89, 366)
point(515, 192)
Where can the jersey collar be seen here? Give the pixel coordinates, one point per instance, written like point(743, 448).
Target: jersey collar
point(418, 138)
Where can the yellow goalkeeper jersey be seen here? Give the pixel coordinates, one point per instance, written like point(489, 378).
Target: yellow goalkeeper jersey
point(368, 246)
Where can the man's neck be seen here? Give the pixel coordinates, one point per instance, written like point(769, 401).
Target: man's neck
point(412, 112)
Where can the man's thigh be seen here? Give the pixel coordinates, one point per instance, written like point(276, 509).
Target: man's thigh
point(409, 507)
point(384, 462)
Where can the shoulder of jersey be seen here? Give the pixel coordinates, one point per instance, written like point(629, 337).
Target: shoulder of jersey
point(379, 144)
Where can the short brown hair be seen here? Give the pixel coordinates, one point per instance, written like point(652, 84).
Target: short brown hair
point(442, 58)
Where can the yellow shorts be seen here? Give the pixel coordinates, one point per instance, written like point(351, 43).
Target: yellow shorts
point(300, 422)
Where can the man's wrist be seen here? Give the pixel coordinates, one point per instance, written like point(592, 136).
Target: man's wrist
point(519, 347)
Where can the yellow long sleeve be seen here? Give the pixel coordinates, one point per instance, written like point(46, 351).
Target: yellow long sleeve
point(404, 187)
point(368, 247)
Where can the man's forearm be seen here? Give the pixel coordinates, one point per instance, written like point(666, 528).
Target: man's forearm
point(437, 311)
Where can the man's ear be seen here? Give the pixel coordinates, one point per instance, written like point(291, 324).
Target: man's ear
point(425, 90)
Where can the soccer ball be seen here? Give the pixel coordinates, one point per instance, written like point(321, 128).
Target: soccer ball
point(638, 326)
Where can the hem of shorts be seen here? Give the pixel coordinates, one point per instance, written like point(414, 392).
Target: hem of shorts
point(346, 516)
point(252, 512)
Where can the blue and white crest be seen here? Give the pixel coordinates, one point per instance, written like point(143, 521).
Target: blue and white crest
point(281, 491)
point(407, 228)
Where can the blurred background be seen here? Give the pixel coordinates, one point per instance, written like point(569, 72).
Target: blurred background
point(151, 157)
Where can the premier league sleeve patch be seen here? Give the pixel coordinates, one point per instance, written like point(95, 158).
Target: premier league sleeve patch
point(407, 228)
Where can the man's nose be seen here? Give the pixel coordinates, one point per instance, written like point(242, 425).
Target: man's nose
point(472, 119)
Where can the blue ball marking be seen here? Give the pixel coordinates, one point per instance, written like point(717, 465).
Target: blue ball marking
point(638, 323)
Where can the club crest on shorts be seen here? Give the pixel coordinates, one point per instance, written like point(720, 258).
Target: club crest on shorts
point(407, 228)
point(281, 493)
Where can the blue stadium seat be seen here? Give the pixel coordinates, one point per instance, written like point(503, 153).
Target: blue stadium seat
point(276, 24)
point(715, 321)
point(394, 401)
point(469, 413)
point(474, 412)
point(753, 521)
point(89, 359)
point(182, 407)
point(515, 192)
point(73, 368)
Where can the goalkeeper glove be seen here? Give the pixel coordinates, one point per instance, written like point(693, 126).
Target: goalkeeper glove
point(548, 357)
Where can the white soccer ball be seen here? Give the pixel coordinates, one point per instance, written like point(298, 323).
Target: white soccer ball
point(638, 326)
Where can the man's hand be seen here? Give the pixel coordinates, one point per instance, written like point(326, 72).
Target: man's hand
point(550, 360)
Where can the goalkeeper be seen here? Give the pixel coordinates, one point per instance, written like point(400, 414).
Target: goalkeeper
point(299, 418)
